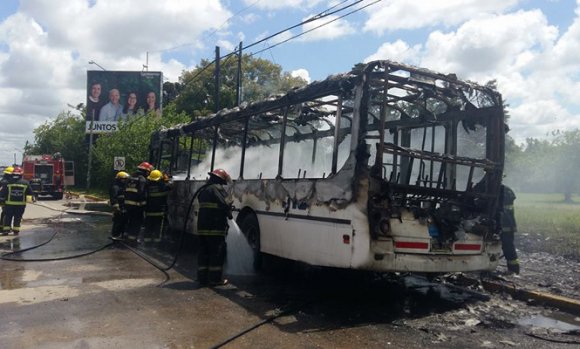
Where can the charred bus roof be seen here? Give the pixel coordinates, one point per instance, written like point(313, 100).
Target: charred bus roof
point(419, 85)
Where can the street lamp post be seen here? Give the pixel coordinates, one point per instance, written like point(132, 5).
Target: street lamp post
point(97, 64)
point(90, 150)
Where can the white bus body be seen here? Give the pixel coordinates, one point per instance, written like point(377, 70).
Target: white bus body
point(390, 168)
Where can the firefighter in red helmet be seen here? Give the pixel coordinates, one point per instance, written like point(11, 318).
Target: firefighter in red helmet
point(14, 195)
point(135, 199)
point(214, 211)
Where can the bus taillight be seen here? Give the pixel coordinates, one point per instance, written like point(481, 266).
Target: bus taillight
point(415, 245)
point(467, 247)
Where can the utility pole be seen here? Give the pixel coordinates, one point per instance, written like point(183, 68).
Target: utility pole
point(217, 101)
point(238, 102)
point(239, 77)
point(217, 79)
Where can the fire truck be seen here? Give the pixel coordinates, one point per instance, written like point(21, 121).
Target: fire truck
point(48, 174)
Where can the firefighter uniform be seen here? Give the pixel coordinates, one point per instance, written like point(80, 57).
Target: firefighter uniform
point(14, 195)
point(117, 199)
point(6, 176)
point(509, 227)
point(135, 201)
point(212, 227)
point(157, 190)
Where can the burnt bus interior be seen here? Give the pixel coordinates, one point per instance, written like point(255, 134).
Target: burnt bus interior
point(313, 124)
point(436, 149)
point(428, 143)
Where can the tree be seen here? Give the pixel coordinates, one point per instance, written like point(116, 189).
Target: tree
point(549, 165)
point(131, 141)
point(567, 162)
point(170, 91)
point(260, 79)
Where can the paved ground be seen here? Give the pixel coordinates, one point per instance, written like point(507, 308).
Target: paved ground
point(115, 299)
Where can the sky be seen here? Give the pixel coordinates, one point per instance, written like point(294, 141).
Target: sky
point(530, 47)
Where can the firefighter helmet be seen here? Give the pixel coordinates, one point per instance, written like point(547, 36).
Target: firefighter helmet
point(145, 166)
point(222, 174)
point(8, 170)
point(155, 175)
point(122, 175)
point(17, 171)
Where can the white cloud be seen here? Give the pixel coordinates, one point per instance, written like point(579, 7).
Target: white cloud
point(532, 65)
point(281, 37)
point(537, 70)
point(121, 28)
point(226, 46)
point(335, 29)
point(249, 18)
point(540, 117)
point(46, 47)
point(303, 73)
point(403, 14)
point(565, 53)
point(491, 44)
point(281, 4)
point(398, 51)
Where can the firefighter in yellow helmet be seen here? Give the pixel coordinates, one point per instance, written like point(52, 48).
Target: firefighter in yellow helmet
point(14, 195)
point(212, 226)
point(135, 197)
point(6, 176)
point(157, 190)
point(117, 200)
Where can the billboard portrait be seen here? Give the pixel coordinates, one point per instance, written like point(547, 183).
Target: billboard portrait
point(113, 96)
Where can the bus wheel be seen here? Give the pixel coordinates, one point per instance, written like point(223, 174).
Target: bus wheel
point(251, 230)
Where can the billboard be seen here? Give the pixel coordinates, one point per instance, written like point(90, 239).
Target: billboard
point(113, 96)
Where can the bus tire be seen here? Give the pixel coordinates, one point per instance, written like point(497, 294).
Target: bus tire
point(251, 229)
point(58, 196)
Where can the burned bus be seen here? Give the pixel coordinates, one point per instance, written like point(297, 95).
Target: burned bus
point(387, 168)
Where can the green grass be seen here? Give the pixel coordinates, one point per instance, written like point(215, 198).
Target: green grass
point(546, 223)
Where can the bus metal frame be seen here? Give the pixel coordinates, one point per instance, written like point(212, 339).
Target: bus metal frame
point(394, 207)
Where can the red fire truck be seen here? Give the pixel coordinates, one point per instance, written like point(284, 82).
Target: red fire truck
point(48, 174)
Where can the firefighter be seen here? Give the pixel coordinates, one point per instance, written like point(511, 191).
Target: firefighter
point(135, 199)
point(14, 195)
point(157, 191)
point(214, 211)
point(6, 176)
point(508, 228)
point(117, 199)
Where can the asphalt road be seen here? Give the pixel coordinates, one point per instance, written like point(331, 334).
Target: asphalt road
point(115, 299)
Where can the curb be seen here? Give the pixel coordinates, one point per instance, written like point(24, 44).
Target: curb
point(560, 302)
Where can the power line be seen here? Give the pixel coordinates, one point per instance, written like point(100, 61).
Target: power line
point(317, 27)
point(318, 16)
point(212, 32)
point(232, 16)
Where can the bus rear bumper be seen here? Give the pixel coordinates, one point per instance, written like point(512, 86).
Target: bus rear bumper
point(422, 263)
